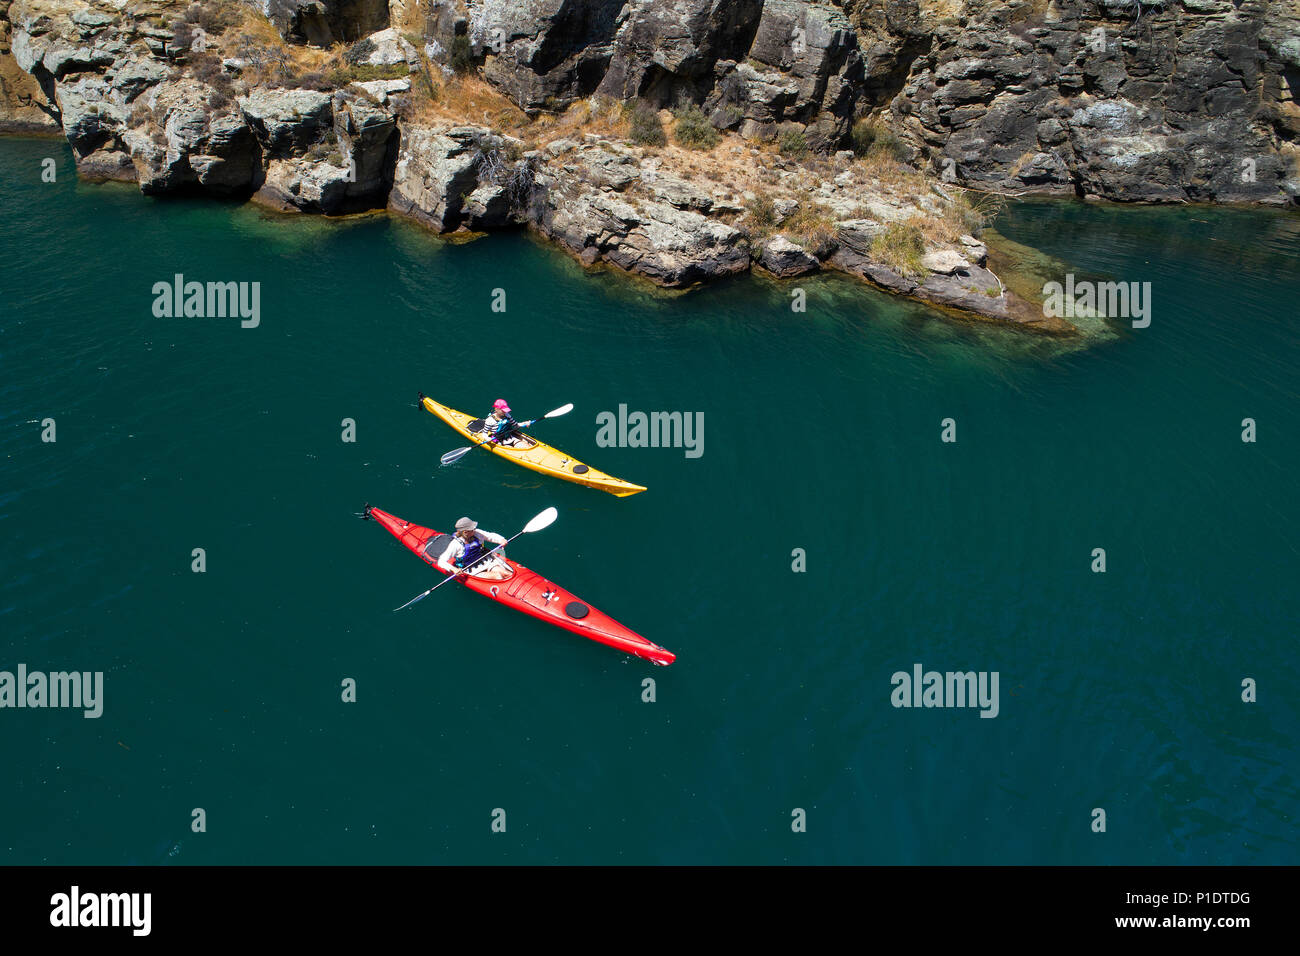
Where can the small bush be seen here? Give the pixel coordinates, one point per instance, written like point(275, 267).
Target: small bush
point(971, 215)
point(364, 73)
point(693, 129)
point(207, 68)
point(646, 130)
point(870, 138)
point(250, 50)
point(812, 223)
point(900, 246)
point(326, 149)
point(218, 99)
point(792, 143)
point(314, 81)
point(461, 58)
point(182, 37)
point(760, 214)
point(731, 116)
point(213, 16)
point(359, 51)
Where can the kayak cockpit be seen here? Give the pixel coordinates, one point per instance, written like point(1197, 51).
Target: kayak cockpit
point(437, 544)
point(522, 441)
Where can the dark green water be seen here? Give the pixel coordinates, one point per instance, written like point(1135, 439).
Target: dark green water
point(222, 690)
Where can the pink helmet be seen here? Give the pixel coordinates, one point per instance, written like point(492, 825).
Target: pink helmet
point(501, 404)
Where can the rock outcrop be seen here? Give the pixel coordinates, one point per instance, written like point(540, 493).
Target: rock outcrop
point(322, 22)
point(1167, 100)
point(24, 105)
point(1151, 100)
point(611, 203)
point(133, 108)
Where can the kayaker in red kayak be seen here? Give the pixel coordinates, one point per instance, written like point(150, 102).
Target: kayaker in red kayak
point(501, 428)
point(467, 549)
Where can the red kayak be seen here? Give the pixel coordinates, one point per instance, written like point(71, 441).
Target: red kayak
point(528, 591)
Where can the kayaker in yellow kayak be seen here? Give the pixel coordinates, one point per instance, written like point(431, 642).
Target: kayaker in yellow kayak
point(500, 428)
point(467, 549)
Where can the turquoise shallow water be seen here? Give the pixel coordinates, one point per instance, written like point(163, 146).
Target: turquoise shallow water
point(1119, 691)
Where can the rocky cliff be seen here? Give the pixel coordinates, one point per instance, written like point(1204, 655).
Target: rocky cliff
point(1128, 99)
point(681, 140)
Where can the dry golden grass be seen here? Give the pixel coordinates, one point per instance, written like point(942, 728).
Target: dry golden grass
point(599, 115)
point(887, 171)
point(260, 29)
point(462, 99)
point(965, 215)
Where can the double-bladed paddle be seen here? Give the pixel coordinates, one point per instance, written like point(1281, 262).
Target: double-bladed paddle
point(460, 453)
point(544, 520)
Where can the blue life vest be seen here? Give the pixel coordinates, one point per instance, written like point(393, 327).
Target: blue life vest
point(475, 549)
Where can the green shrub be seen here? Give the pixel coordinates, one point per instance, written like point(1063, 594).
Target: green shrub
point(760, 214)
point(900, 246)
point(462, 55)
point(646, 130)
point(359, 51)
point(693, 129)
point(869, 137)
point(792, 143)
point(214, 16)
point(314, 81)
point(365, 72)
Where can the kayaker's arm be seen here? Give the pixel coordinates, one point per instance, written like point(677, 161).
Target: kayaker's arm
point(494, 538)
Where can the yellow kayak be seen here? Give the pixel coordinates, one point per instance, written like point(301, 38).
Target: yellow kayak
point(531, 453)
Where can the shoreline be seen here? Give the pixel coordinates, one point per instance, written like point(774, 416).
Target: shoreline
point(1031, 321)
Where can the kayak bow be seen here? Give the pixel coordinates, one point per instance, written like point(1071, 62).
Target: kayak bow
point(534, 455)
point(527, 591)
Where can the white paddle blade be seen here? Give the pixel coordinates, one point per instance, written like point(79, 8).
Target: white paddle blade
point(562, 410)
point(543, 520)
point(456, 455)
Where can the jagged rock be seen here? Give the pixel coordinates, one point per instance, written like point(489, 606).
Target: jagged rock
point(544, 52)
point(945, 261)
point(488, 207)
point(287, 122)
point(91, 21)
point(560, 146)
point(760, 98)
point(307, 185)
point(384, 90)
point(1157, 102)
point(785, 208)
point(678, 192)
point(194, 147)
point(389, 48)
point(226, 159)
point(134, 75)
point(816, 44)
point(784, 259)
point(435, 169)
point(671, 247)
point(90, 118)
point(367, 137)
point(606, 168)
point(322, 22)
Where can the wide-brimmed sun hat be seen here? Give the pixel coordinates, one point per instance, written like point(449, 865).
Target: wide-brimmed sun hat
point(466, 524)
